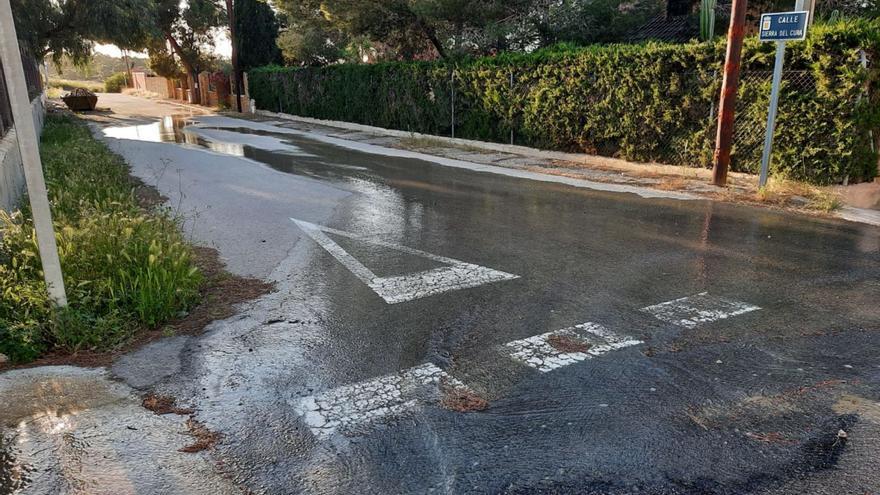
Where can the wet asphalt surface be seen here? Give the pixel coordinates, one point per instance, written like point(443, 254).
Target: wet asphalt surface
point(781, 399)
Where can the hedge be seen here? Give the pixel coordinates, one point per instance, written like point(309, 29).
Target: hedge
point(641, 102)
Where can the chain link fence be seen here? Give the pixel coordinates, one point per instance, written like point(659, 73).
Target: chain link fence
point(690, 141)
point(617, 104)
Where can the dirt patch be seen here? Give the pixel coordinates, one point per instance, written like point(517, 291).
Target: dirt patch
point(770, 437)
point(148, 197)
point(852, 404)
point(164, 404)
point(567, 343)
point(221, 293)
point(462, 400)
point(755, 412)
point(204, 438)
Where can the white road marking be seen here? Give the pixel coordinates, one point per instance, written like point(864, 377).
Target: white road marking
point(690, 312)
point(540, 353)
point(352, 407)
point(397, 289)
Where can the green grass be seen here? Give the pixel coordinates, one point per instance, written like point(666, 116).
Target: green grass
point(124, 268)
point(69, 85)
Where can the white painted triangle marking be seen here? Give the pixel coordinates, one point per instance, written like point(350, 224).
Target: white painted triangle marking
point(401, 288)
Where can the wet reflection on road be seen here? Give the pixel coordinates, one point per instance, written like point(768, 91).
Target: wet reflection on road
point(723, 309)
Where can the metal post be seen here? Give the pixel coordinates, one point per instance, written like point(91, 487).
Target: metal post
point(771, 115)
point(863, 62)
point(26, 133)
point(729, 85)
point(452, 84)
point(510, 96)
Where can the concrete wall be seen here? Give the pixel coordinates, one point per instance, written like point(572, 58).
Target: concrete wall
point(160, 86)
point(12, 184)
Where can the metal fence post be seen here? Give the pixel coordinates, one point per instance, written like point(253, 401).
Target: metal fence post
point(712, 101)
point(452, 85)
point(863, 61)
point(512, 113)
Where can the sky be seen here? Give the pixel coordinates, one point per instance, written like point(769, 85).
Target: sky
point(222, 47)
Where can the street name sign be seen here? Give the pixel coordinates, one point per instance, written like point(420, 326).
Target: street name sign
point(784, 26)
point(779, 27)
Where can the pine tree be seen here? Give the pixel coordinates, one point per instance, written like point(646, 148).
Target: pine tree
point(257, 29)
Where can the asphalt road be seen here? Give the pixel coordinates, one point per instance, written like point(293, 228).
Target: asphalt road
point(444, 328)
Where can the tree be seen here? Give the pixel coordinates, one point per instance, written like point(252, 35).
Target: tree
point(257, 30)
point(322, 31)
point(400, 29)
point(309, 36)
point(188, 28)
point(70, 27)
point(588, 21)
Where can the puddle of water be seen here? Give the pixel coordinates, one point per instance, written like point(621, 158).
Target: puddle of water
point(183, 129)
point(72, 430)
point(167, 130)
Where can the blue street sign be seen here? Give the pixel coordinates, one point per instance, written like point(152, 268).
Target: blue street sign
point(783, 26)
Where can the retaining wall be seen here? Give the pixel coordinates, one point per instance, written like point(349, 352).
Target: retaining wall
point(12, 183)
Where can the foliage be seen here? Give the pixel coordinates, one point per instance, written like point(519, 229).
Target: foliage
point(116, 83)
point(123, 267)
point(308, 45)
point(591, 21)
point(98, 68)
point(325, 31)
point(69, 85)
point(631, 101)
point(256, 31)
point(69, 27)
point(189, 27)
point(163, 64)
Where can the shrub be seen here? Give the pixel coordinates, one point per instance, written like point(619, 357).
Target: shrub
point(124, 268)
point(116, 83)
point(642, 102)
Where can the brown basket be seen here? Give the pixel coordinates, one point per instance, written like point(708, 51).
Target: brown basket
point(81, 103)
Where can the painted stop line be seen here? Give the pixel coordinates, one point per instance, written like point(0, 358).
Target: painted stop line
point(553, 350)
point(456, 275)
point(351, 409)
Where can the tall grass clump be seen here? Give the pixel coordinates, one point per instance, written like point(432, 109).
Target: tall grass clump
point(124, 268)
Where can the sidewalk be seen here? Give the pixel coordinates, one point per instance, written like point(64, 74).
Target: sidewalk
point(848, 203)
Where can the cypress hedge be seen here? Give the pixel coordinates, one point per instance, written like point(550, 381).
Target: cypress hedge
point(641, 102)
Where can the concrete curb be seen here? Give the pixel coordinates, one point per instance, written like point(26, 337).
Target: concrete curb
point(580, 158)
point(198, 108)
point(860, 215)
point(851, 214)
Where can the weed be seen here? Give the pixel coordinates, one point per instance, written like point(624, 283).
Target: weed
point(826, 201)
point(124, 268)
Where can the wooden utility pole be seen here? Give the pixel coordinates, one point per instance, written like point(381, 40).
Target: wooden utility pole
point(130, 82)
point(26, 134)
point(729, 85)
point(233, 38)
